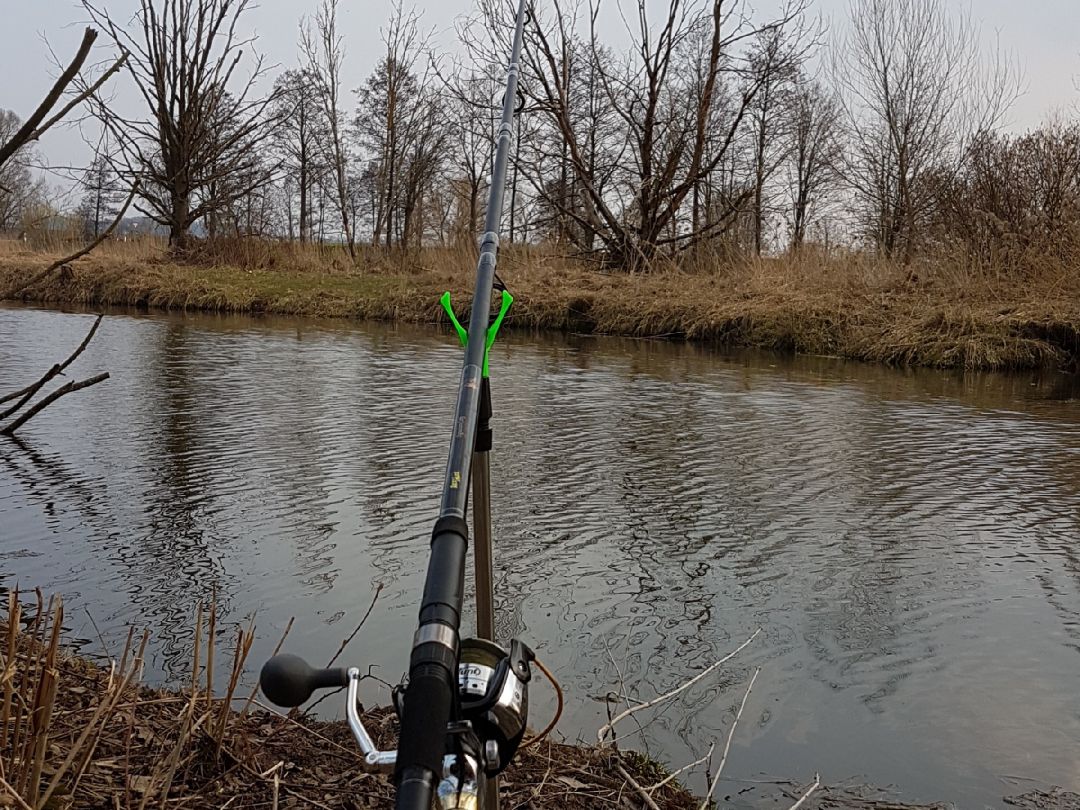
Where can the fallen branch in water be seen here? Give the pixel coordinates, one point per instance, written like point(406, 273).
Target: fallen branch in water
point(32, 389)
point(727, 743)
point(609, 728)
point(26, 394)
point(805, 796)
point(71, 387)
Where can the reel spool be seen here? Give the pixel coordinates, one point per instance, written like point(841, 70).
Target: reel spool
point(494, 688)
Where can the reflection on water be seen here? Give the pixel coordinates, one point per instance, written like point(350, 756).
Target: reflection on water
point(907, 540)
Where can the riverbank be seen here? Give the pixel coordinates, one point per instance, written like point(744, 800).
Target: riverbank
point(78, 735)
point(852, 307)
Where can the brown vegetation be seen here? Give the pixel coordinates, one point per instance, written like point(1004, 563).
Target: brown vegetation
point(953, 314)
point(74, 734)
point(79, 735)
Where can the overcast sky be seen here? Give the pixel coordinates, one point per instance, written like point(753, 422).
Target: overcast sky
point(1042, 34)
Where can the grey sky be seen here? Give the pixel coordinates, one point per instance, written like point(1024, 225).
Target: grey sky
point(1041, 33)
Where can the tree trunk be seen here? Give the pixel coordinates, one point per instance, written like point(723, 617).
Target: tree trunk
point(179, 238)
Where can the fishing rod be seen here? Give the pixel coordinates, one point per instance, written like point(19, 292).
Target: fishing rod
point(464, 711)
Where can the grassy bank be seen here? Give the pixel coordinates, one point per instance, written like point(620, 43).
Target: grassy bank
point(847, 306)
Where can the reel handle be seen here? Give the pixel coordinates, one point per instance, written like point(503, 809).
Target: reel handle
point(289, 681)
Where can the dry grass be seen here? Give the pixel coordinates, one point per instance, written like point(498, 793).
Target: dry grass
point(944, 314)
point(77, 735)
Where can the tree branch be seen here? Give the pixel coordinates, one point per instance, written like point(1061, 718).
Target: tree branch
point(50, 399)
point(30, 390)
point(81, 97)
point(26, 132)
point(601, 735)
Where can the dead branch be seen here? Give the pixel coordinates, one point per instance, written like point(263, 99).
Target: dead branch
point(652, 805)
point(31, 126)
point(805, 796)
point(30, 390)
point(601, 735)
point(50, 399)
point(727, 743)
point(82, 96)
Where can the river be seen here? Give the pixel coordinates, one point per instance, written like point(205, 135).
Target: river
point(908, 541)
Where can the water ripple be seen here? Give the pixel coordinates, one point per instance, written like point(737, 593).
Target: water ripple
point(907, 541)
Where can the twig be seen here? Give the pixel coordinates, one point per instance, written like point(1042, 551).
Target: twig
point(727, 744)
point(211, 643)
point(673, 776)
point(244, 640)
point(18, 799)
point(271, 710)
point(352, 635)
point(14, 615)
point(805, 796)
point(277, 649)
point(196, 650)
point(273, 771)
point(98, 631)
point(306, 799)
point(623, 693)
point(640, 790)
point(603, 732)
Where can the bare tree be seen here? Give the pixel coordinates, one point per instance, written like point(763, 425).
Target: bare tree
point(815, 152)
point(19, 191)
point(401, 122)
point(916, 93)
point(470, 92)
point(324, 52)
point(301, 136)
point(667, 112)
point(776, 57)
point(205, 122)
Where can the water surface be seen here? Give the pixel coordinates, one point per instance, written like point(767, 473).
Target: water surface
point(909, 542)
